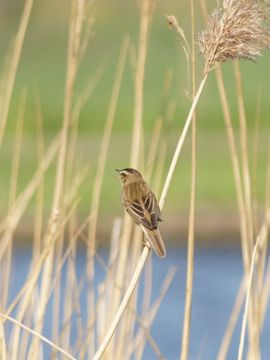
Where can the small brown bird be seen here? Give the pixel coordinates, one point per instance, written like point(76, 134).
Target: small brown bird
point(141, 204)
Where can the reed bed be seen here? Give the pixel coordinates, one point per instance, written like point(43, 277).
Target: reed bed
point(102, 321)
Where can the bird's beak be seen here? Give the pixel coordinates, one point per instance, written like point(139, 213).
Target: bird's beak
point(117, 176)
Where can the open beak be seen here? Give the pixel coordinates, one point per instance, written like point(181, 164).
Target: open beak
point(117, 176)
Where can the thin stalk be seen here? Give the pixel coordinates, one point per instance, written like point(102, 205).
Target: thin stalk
point(146, 12)
point(8, 236)
point(40, 190)
point(38, 335)
point(181, 142)
point(248, 298)
point(191, 226)
point(224, 347)
point(254, 328)
point(235, 166)
point(13, 66)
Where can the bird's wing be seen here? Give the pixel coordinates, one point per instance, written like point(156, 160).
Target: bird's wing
point(144, 211)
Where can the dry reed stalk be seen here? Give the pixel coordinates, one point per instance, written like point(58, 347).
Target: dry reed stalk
point(111, 271)
point(244, 154)
point(255, 160)
point(255, 355)
point(191, 226)
point(15, 214)
point(40, 190)
point(235, 166)
point(99, 179)
point(9, 79)
point(265, 294)
point(146, 15)
point(163, 116)
point(266, 216)
point(263, 255)
point(146, 302)
point(71, 289)
point(8, 235)
point(254, 327)
point(181, 141)
point(34, 333)
point(261, 269)
point(227, 337)
point(147, 321)
point(126, 330)
point(3, 347)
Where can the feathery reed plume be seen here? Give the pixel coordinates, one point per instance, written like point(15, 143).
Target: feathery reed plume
point(237, 30)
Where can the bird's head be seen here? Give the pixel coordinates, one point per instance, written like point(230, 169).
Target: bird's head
point(129, 175)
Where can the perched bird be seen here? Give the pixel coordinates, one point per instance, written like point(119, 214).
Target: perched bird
point(141, 204)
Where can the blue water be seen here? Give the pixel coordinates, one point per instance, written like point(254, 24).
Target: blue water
point(218, 274)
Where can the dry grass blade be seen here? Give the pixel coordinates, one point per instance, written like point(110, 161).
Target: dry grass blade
point(237, 30)
point(181, 142)
point(235, 165)
point(3, 347)
point(9, 233)
point(13, 65)
point(224, 347)
point(36, 334)
point(23, 199)
point(146, 14)
point(149, 318)
point(191, 226)
point(248, 297)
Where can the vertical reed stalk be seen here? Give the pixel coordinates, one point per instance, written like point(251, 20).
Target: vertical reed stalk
point(248, 299)
point(191, 226)
point(181, 141)
point(254, 329)
point(8, 235)
point(235, 166)
point(40, 191)
point(9, 79)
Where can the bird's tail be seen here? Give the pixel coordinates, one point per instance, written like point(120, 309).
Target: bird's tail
point(156, 242)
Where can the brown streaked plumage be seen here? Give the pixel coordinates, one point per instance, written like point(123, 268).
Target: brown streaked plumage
point(141, 204)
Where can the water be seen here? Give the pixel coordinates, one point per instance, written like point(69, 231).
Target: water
point(218, 274)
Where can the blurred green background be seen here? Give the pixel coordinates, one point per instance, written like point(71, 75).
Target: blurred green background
point(42, 70)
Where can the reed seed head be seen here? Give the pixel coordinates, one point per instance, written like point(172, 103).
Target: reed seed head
point(238, 29)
